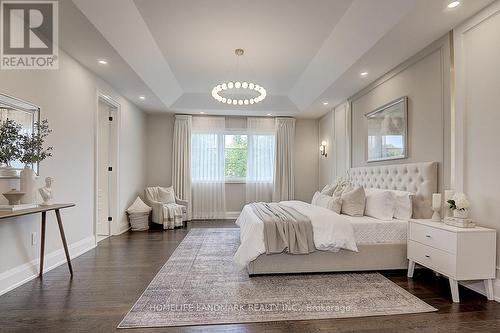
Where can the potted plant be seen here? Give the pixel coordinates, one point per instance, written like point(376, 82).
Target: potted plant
point(460, 205)
point(33, 150)
point(9, 145)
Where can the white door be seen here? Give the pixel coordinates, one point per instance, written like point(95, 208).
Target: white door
point(103, 174)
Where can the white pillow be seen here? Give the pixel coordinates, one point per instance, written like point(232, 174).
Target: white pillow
point(380, 204)
point(138, 207)
point(166, 195)
point(326, 201)
point(353, 200)
point(403, 204)
point(328, 189)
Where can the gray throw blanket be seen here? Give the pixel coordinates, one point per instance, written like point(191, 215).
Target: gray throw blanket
point(285, 229)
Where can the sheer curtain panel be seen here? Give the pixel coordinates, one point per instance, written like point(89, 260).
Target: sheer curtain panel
point(207, 168)
point(284, 182)
point(181, 160)
point(260, 161)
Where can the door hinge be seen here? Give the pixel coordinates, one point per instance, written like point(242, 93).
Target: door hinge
point(110, 168)
point(110, 118)
point(110, 218)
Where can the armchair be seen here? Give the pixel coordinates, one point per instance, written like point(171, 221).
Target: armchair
point(151, 196)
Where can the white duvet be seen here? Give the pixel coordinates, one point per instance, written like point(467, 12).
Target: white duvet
point(331, 231)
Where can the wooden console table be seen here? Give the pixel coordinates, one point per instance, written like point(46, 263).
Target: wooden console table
point(44, 210)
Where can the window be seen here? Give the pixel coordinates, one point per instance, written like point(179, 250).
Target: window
point(235, 157)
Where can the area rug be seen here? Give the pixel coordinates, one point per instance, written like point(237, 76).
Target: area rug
point(200, 285)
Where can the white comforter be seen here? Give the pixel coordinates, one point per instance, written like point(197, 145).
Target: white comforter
point(332, 231)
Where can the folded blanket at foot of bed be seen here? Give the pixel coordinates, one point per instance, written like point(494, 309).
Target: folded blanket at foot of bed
point(285, 229)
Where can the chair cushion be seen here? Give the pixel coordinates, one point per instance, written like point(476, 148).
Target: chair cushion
point(166, 195)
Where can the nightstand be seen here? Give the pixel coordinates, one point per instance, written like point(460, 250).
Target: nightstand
point(457, 253)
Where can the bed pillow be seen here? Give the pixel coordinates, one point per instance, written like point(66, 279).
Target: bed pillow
point(380, 204)
point(328, 202)
point(403, 204)
point(328, 189)
point(353, 200)
point(166, 195)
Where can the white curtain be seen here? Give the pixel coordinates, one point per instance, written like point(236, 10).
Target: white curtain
point(181, 160)
point(260, 161)
point(207, 168)
point(284, 181)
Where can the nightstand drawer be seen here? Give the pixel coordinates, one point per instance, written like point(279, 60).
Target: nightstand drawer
point(428, 256)
point(437, 238)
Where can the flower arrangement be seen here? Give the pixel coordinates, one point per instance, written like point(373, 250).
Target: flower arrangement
point(29, 148)
point(459, 202)
point(32, 145)
point(9, 141)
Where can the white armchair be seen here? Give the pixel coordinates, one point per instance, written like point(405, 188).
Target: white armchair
point(151, 195)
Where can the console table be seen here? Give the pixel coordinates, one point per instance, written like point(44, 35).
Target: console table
point(43, 210)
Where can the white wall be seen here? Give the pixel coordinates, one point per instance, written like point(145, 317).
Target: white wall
point(477, 164)
point(306, 158)
point(334, 129)
point(68, 99)
point(425, 79)
point(160, 132)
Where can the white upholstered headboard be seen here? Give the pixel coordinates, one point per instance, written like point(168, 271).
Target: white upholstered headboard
point(419, 178)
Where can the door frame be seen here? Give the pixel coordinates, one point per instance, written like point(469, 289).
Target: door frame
point(114, 147)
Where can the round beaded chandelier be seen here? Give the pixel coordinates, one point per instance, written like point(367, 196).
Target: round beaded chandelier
point(223, 92)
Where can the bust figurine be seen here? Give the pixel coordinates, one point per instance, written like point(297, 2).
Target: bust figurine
point(46, 192)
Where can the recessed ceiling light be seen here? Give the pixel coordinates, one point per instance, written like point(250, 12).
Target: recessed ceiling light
point(142, 97)
point(453, 4)
point(202, 112)
point(364, 73)
point(102, 61)
point(325, 103)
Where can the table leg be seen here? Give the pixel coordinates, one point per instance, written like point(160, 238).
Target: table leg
point(411, 268)
point(454, 290)
point(63, 238)
point(488, 285)
point(42, 242)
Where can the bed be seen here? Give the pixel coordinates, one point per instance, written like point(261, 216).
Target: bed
point(381, 245)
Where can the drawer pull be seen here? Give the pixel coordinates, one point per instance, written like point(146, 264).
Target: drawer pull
point(427, 256)
point(428, 236)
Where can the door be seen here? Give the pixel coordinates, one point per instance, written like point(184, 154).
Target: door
point(104, 149)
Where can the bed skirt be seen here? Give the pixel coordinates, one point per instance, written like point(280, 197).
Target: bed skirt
point(370, 257)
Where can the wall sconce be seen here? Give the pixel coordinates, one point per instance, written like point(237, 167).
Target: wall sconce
point(322, 149)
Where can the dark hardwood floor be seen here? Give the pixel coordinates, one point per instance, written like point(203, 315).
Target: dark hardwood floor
point(109, 279)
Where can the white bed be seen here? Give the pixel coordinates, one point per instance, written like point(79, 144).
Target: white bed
point(380, 244)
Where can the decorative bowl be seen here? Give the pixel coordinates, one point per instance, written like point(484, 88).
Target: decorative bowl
point(13, 196)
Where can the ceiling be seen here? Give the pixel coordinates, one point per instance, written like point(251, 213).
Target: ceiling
point(304, 52)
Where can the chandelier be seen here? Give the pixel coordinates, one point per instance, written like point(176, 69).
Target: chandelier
point(223, 92)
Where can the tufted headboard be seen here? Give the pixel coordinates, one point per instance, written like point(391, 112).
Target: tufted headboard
point(419, 178)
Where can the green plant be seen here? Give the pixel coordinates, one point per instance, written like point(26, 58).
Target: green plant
point(9, 141)
point(32, 145)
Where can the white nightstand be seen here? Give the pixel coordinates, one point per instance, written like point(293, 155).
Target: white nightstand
point(457, 253)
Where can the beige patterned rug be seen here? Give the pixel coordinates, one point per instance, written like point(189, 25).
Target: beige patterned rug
point(200, 285)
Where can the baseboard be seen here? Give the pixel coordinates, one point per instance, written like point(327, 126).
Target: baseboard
point(232, 215)
point(124, 227)
point(478, 286)
point(19, 275)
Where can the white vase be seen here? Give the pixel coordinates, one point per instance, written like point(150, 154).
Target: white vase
point(28, 185)
point(461, 213)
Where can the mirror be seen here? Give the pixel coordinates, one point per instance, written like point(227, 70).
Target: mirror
point(386, 131)
point(24, 114)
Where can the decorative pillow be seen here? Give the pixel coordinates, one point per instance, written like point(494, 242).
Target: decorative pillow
point(380, 204)
point(138, 207)
point(353, 201)
point(327, 202)
point(403, 204)
point(166, 195)
point(328, 189)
